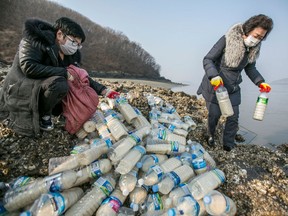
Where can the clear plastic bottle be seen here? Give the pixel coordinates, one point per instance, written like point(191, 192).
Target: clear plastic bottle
point(111, 205)
point(165, 134)
point(187, 205)
point(153, 116)
point(116, 128)
point(91, 201)
point(172, 148)
point(126, 109)
point(23, 196)
point(261, 105)
point(137, 197)
point(188, 120)
point(186, 158)
point(127, 163)
point(199, 151)
point(127, 182)
point(156, 172)
point(92, 154)
point(217, 203)
point(93, 171)
point(125, 211)
point(176, 193)
point(140, 122)
point(54, 204)
point(150, 160)
point(60, 164)
point(122, 147)
point(224, 101)
point(173, 179)
point(178, 131)
point(206, 182)
point(156, 203)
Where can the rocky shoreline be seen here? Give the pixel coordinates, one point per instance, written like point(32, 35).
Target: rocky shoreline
point(256, 176)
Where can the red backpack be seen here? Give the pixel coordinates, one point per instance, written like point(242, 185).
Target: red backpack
point(81, 101)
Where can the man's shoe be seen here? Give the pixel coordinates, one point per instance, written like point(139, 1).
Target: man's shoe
point(228, 148)
point(211, 141)
point(46, 123)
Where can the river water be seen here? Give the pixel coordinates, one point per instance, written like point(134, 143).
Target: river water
point(270, 132)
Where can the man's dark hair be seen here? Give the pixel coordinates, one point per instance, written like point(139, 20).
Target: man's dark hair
point(260, 20)
point(69, 27)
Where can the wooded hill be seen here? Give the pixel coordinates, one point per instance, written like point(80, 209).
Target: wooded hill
point(105, 53)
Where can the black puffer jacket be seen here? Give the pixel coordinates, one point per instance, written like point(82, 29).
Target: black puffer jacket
point(36, 60)
point(228, 58)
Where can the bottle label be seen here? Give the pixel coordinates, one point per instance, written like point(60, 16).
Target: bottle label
point(21, 181)
point(78, 149)
point(140, 149)
point(157, 201)
point(228, 204)
point(135, 138)
point(104, 185)
point(58, 202)
point(158, 170)
point(155, 158)
point(114, 203)
point(153, 116)
point(95, 169)
point(121, 100)
point(262, 100)
point(174, 146)
point(162, 134)
point(108, 142)
point(171, 127)
point(138, 112)
point(176, 179)
point(219, 175)
point(199, 164)
point(54, 183)
point(185, 188)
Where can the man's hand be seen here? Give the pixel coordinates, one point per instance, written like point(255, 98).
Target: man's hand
point(112, 94)
point(216, 82)
point(265, 87)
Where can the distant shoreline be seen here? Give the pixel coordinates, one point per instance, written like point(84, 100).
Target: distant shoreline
point(165, 85)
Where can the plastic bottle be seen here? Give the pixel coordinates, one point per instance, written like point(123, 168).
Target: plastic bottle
point(60, 164)
point(224, 101)
point(261, 105)
point(92, 154)
point(188, 120)
point(137, 197)
point(111, 205)
point(172, 148)
point(54, 204)
point(206, 182)
point(130, 160)
point(140, 122)
point(199, 151)
point(176, 193)
point(156, 172)
point(116, 128)
point(178, 131)
point(153, 116)
point(150, 160)
point(154, 203)
point(127, 182)
point(174, 178)
point(186, 158)
point(199, 165)
point(23, 196)
point(93, 171)
point(124, 211)
point(165, 134)
point(109, 111)
point(126, 109)
point(187, 205)
point(122, 147)
point(88, 204)
point(217, 203)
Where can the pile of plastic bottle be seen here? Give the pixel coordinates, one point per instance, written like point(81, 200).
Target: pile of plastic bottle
point(133, 165)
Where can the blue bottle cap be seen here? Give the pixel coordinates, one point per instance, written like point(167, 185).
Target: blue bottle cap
point(171, 212)
point(139, 165)
point(155, 188)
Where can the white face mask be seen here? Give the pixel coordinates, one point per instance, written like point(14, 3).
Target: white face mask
point(68, 48)
point(250, 41)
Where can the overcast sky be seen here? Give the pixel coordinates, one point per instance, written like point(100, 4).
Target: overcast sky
point(179, 33)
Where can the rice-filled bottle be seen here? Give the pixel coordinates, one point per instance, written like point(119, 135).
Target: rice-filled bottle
point(224, 101)
point(261, 105)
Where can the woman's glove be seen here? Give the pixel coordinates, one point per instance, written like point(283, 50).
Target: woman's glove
point(216, 82)
point(265, 87)
point(112, 94)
